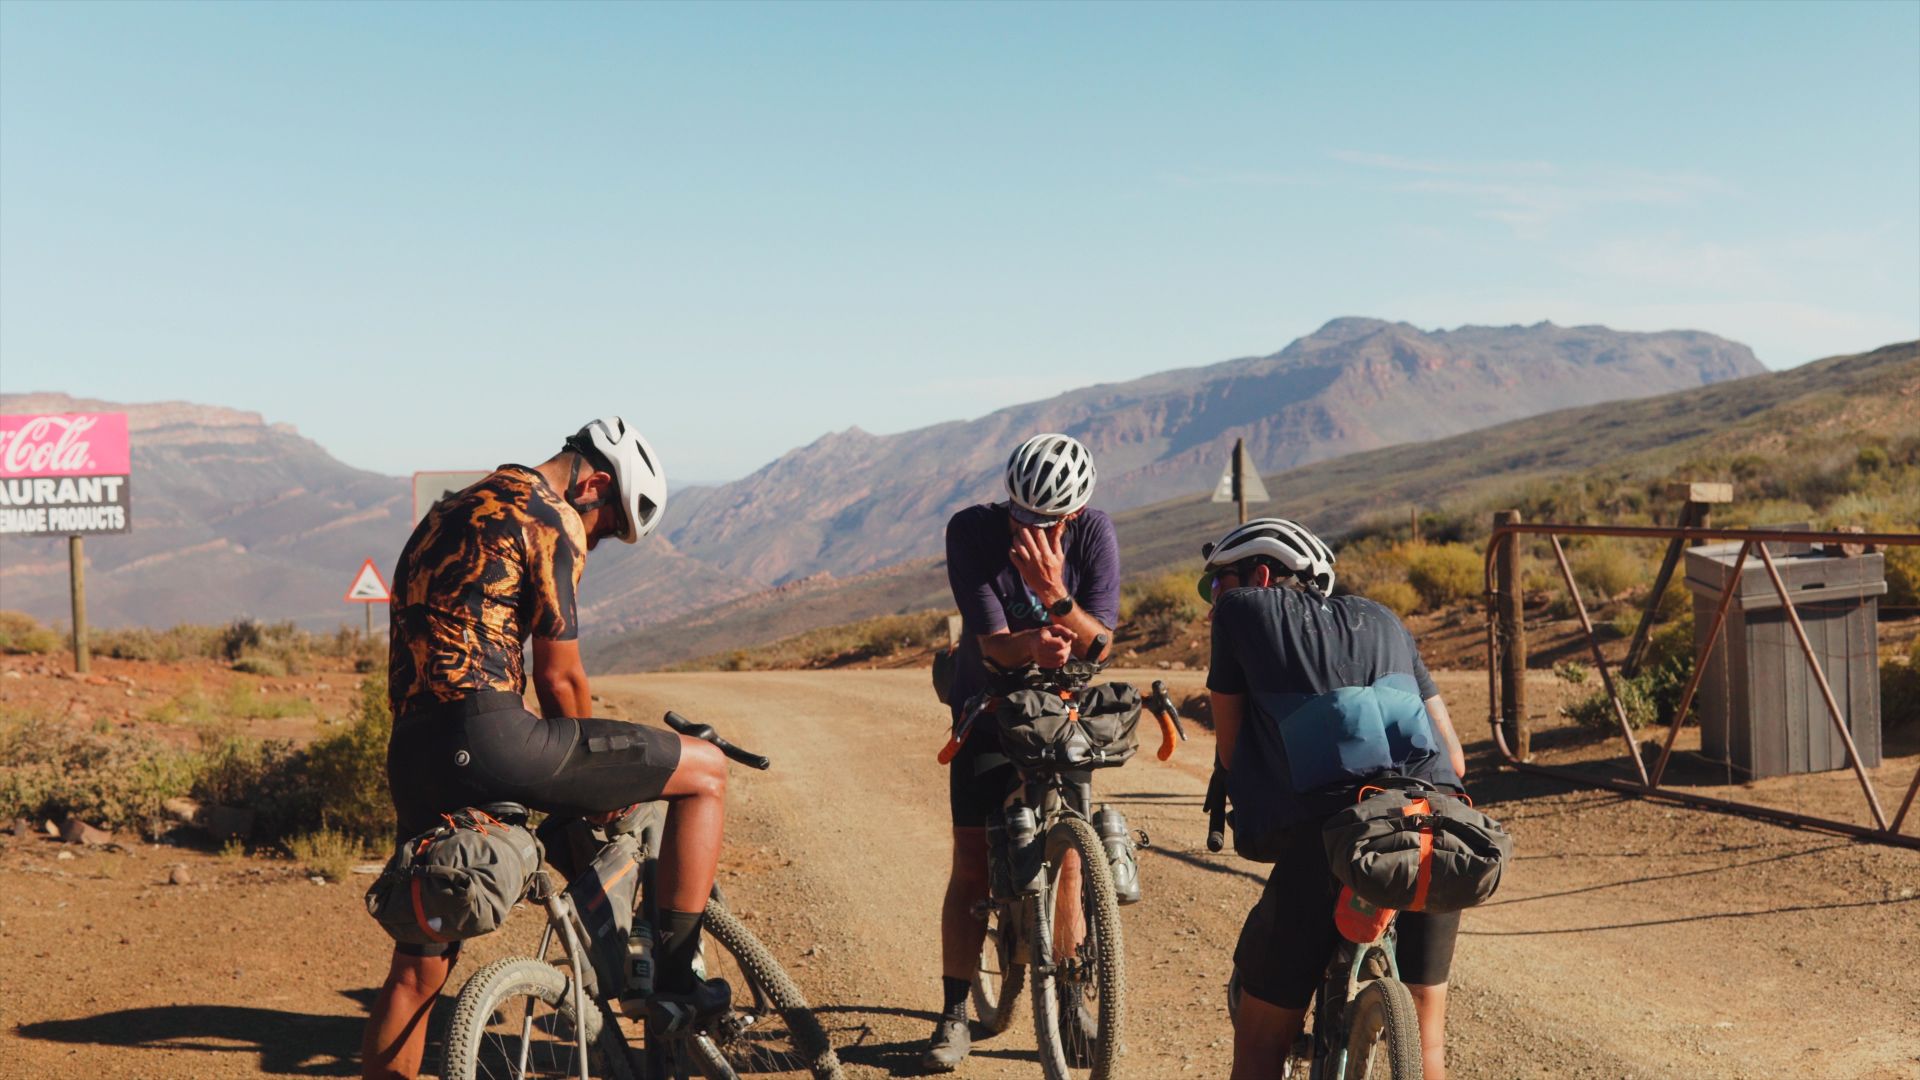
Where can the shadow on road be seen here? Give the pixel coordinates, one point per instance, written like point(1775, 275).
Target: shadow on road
point(1680, 919)
point(298, 1044)
point(849, 1033)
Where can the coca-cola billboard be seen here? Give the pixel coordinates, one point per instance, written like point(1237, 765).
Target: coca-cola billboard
point(64, 474)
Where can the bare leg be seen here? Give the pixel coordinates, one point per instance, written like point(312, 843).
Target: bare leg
point(1430, 1004)
point(1263, 1033)
point(960, 932)
point(396, 1035)
point(696, 810)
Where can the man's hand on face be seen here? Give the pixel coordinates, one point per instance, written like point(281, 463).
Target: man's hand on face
point(1041, 560)
point(1052, 646)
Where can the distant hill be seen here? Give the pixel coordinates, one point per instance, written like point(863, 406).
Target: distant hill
point(851, 502)
point(233, 515)
point(1759, 430)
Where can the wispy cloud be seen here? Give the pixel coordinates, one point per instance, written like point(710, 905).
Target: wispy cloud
point(1530, 197)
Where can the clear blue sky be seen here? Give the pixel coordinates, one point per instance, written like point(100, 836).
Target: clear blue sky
point(440, 236)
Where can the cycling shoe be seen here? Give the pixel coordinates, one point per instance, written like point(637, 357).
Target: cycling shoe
point(952, 1042)
point(679, 1014)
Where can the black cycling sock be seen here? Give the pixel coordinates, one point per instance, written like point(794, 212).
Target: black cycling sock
point(678, 939)
point(955, 990)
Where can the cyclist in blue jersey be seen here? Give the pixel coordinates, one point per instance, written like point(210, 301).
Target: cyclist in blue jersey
point(1036, 579)
point(1312, 694)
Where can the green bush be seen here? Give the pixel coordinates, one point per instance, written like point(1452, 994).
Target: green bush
point(48, 770)
point(1903, 575)
point(348, 770)
point(1900, 689)
point(22, 633)
point(1446, 573)
point(1397, 596)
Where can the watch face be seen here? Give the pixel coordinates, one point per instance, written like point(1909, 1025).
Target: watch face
point(1061, 607)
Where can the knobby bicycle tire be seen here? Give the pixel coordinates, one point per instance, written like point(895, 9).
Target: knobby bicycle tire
point(472, 1055)
point(777, 987)
point(1000, 977)
point(1383, 1030)
point(1103, 924)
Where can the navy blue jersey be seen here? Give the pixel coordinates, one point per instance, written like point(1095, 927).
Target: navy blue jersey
point(1335, 692)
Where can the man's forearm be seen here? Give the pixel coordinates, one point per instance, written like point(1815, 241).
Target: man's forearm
point(1227, 712)
point(1008, 649)
point(1084, 629)
point(564, 695)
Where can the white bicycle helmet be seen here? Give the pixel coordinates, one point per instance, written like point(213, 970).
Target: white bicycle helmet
point(1292, 546)
point(1050, 476)
point(638, 481)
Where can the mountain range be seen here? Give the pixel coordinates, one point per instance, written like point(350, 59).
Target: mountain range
point(1811, 420)
point(233, 514)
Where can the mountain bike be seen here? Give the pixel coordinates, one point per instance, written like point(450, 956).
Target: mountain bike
point(551, 1017)
point(1044, 837)
point(1363, 1025)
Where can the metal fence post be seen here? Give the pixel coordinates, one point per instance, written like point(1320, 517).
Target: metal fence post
point(1513, 637)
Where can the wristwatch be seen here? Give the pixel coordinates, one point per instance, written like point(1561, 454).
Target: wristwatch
point(1061, 607)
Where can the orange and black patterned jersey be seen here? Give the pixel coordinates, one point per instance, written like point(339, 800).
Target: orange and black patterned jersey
point(486, 569)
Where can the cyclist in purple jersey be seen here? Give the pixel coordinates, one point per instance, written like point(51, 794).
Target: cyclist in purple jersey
point(1036, 579)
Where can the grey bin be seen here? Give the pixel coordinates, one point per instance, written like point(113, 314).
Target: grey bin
point(1759, 705)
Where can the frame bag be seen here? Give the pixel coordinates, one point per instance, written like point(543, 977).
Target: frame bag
point(1412, 847)
point(455, 881)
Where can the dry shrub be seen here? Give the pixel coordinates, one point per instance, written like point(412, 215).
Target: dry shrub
point(1446, 573)
point(1606, 569)
point(1903, 575)
point(22, 633)
point(327, 853)
point(48, 770)
point(1397, 596)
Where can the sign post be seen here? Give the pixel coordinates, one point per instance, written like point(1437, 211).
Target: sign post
point(66, 474)
point(368, 589)
point(1240, 483)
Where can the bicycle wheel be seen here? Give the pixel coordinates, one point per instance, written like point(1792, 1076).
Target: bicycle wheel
point(1079, 1004)
point(772, 1030)
point(514, 1021)
point(1383, 1034)
point(1001, 975)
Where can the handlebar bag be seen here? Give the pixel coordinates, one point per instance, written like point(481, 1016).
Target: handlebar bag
point(1412, 847)
point(455, 881)
point(1097, 730)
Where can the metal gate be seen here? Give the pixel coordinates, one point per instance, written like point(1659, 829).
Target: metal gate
point(1504, 607)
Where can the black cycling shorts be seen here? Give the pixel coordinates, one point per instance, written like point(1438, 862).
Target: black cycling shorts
point(1289, 937)
point(982, 776)
point(487, 748)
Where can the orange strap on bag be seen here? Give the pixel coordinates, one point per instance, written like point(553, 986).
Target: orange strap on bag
point(1425, 876)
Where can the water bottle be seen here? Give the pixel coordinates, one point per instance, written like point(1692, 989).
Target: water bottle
point(1111, 824)
point(1022, 832)
point(639, 969)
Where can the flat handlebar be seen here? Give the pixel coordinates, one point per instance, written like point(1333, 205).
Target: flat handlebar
point(705, 731)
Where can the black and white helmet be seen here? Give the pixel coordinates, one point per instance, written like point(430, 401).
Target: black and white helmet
point(637, 477)
point(1050, 475)
point(1292, 546)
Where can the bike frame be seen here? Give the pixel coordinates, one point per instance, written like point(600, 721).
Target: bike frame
point(1346, 975)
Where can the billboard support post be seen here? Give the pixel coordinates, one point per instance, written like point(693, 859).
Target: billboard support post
point(77, 572)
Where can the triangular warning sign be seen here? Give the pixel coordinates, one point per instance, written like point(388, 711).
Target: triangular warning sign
point(367, 588)
point(1252, 490)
